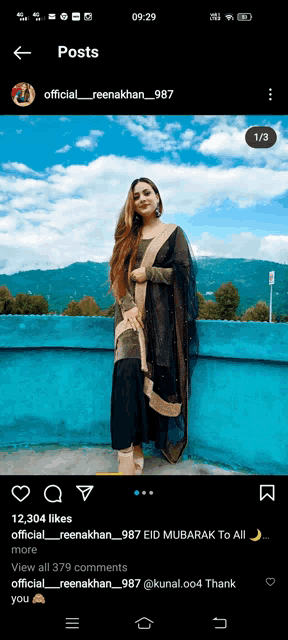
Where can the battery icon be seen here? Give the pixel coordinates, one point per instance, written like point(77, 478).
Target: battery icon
point(244, 16)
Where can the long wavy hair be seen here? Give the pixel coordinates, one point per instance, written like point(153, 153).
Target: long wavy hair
point(127, 238)
point(25, 92)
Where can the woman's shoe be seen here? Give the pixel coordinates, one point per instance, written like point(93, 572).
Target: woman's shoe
point(139, 463)
point(126, 464)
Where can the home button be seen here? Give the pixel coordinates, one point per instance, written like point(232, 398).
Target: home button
point(144, 623)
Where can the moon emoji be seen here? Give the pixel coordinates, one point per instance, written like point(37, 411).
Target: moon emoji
point(259, 534)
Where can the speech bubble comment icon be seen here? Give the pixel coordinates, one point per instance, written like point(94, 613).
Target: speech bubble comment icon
point(59, 494)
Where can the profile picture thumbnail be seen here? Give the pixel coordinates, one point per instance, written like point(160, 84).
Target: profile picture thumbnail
point(23, 94)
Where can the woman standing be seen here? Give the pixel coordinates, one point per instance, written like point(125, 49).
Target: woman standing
point(153, 277)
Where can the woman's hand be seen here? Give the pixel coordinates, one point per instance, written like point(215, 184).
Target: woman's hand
point(133, 317)
point(139, 274)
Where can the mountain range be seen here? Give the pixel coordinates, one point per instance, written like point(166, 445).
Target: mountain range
point(60, 286)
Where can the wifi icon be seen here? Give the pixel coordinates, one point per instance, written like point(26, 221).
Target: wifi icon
point(229, 16)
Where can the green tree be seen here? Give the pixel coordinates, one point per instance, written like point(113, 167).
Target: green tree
point(208, 309)
point(227, 298)
point(73, 309)
point(201, 303)
point(85, 307)
point(22, 304)
point(7, 302)
point(89, 307)
point(38, 305)
point(108, 313)
point(258, 313)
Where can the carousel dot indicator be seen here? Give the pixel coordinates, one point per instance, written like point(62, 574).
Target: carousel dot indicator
point(136, 493)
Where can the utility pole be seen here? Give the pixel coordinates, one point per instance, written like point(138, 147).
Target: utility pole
point(271, 282)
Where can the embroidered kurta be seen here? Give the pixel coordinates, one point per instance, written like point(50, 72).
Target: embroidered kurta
point(168, 304)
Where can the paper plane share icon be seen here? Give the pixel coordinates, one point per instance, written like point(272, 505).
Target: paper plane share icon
point(85, 490)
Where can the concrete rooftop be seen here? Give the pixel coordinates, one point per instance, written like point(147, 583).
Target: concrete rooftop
point(87, 461)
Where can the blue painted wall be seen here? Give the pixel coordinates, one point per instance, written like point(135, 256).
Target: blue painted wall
point(56, 379)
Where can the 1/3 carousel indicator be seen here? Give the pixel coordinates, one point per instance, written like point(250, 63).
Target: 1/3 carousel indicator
point(260, 137)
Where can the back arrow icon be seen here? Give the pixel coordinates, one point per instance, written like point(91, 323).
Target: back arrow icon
point(17, 52)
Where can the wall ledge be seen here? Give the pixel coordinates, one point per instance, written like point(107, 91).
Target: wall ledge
point(217, 338)
point(43, 315)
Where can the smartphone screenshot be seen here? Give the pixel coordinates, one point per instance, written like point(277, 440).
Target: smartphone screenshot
point(143, 322)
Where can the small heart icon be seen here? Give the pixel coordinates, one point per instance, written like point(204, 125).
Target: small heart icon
point(26, 490)
point(270, 581)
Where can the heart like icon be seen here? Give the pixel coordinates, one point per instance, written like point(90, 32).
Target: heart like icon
point(270, 581)
point(20, 490)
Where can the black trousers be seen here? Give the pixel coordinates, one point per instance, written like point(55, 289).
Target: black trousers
point(132, 419)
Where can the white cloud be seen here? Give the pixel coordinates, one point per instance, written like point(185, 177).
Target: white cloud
point(147, 130)
point(172, 126)
point(203, 119)
point(244, 245)
point(56, 168)
point(96, 132)
point(187, 137)
point(64, 149)
point(274, 245)
point(19, 166)
point(86, 143)
point(89, 142)
point(199, 185)
point(226, 139)
point(147, 121)
point(77, 208)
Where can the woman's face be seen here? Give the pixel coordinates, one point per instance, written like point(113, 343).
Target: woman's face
point(145, 199)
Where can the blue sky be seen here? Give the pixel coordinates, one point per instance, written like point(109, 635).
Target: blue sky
point(64, 179)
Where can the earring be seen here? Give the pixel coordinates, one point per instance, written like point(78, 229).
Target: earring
point(157, 211)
